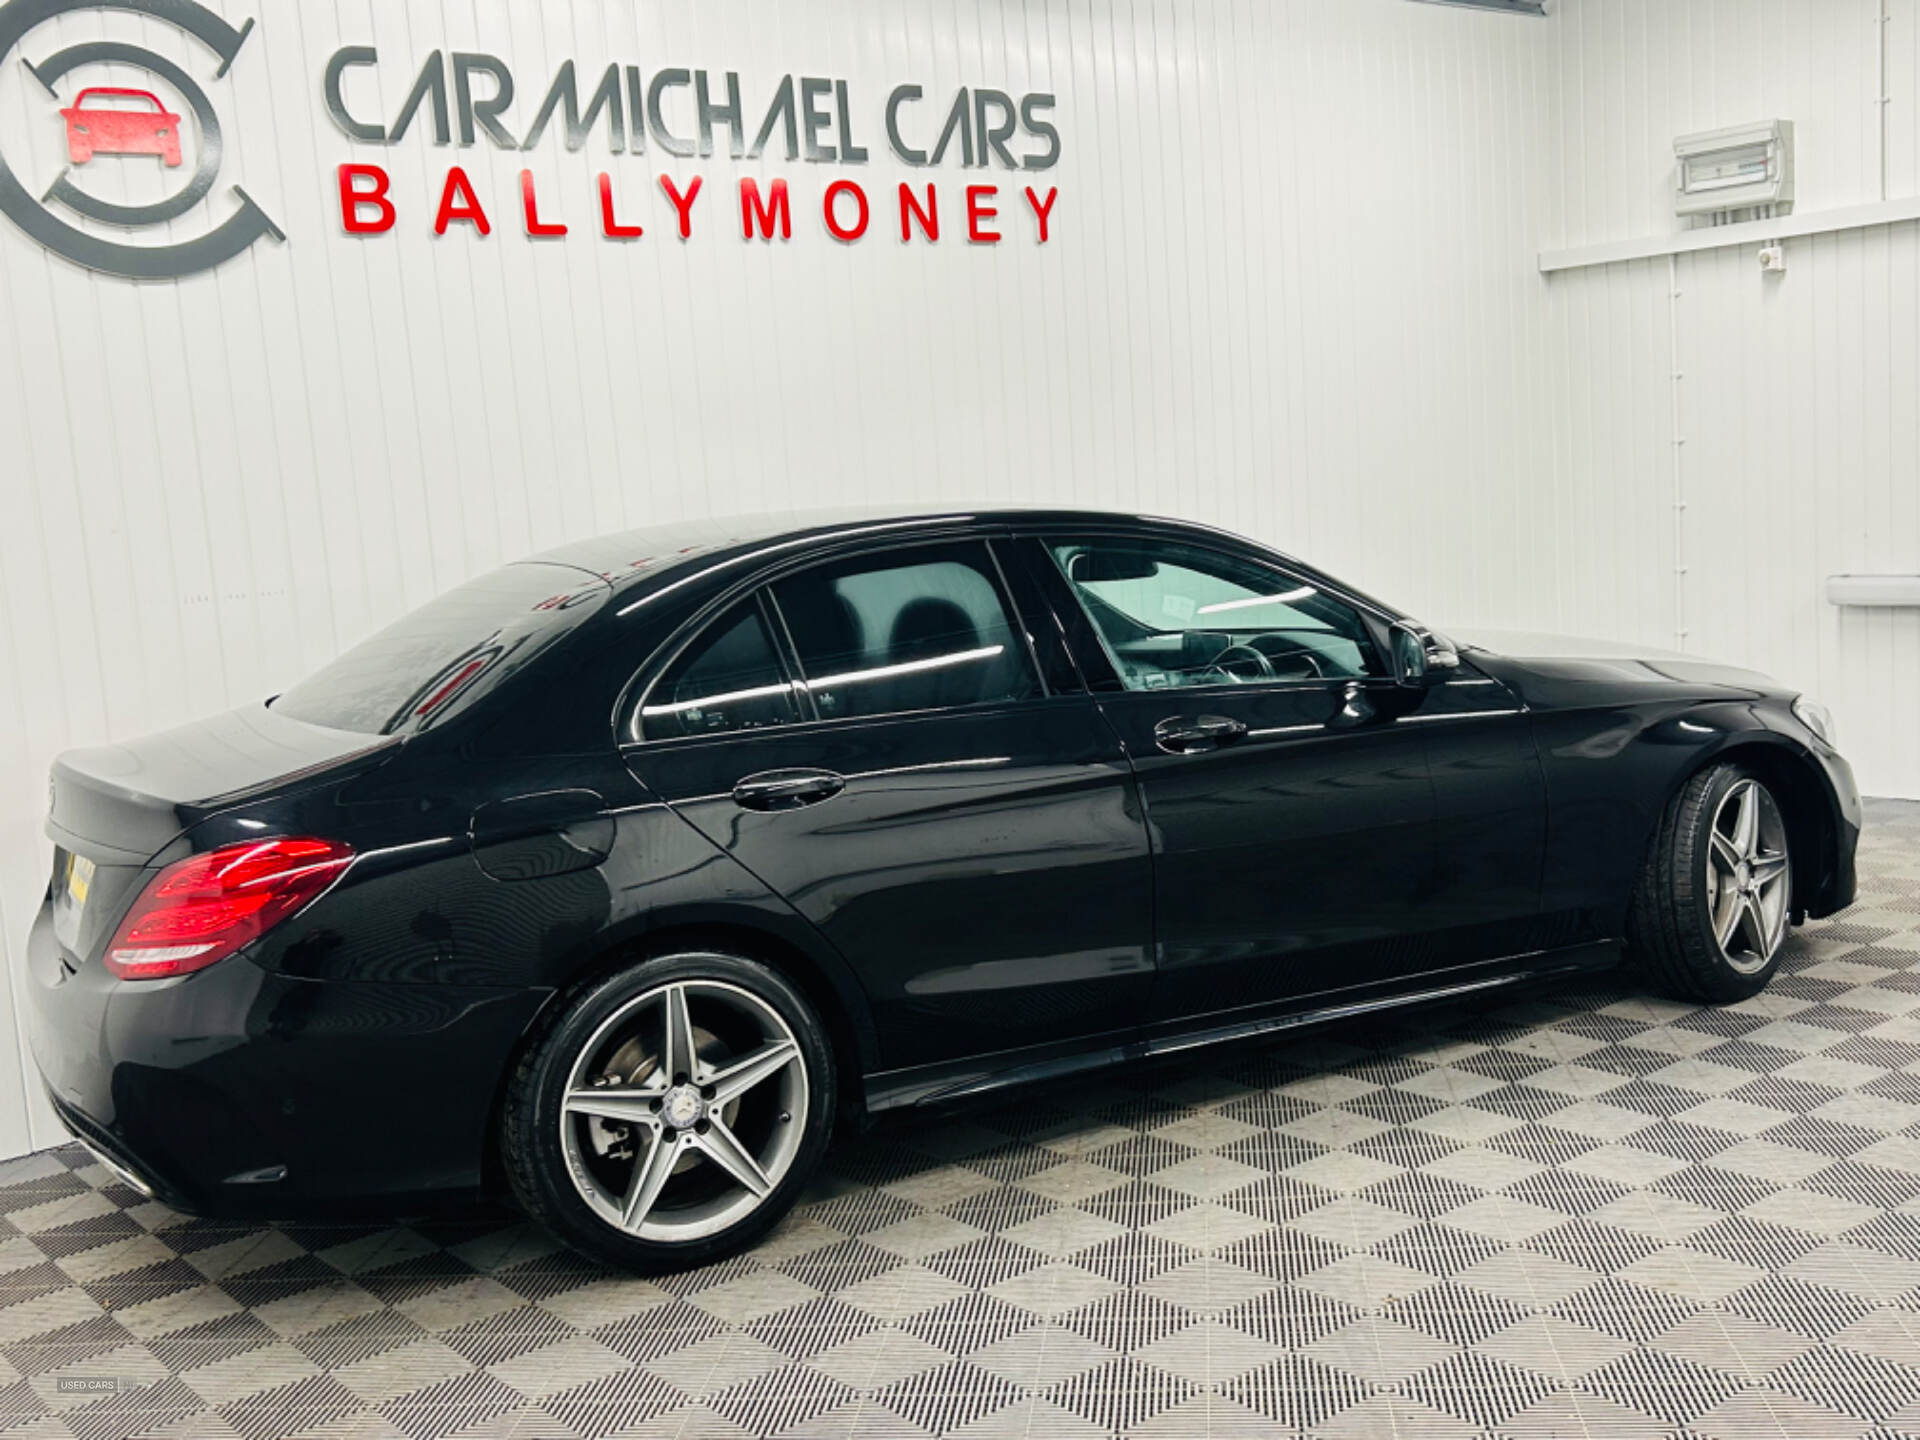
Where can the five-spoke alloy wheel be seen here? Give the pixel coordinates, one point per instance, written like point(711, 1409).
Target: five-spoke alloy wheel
point(1751, 882)
point(1715, 899)
point(670, 1113)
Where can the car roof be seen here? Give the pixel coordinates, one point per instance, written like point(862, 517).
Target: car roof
point(652, 560)
point(631, 556)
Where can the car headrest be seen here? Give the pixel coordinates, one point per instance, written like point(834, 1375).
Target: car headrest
point(825, 626)
point(928, 627)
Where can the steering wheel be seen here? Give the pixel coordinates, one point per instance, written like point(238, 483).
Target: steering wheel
point(1297, 664)
point(1223, 665)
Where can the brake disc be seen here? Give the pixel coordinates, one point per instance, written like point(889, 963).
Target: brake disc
point(633, 1064)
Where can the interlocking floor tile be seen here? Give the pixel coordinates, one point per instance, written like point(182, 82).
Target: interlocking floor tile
point(1589, 1212)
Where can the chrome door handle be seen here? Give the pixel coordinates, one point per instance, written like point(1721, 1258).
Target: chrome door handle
point(1196, 734)
point(786, 789)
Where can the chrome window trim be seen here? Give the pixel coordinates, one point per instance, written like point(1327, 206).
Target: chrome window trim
point(633, 695)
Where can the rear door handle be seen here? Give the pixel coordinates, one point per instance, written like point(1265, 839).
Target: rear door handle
point(1195, 734)
point(787, 789)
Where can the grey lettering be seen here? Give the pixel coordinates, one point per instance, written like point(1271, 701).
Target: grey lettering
point(780, 111)
point(432, 81)
point(668, 141)
point(487, 111)
point(901, 94)
point(993, 137)
point(1040, 129)
point(851, 153)
point(565, 92)
point(336, 102)
point(637, 110)
point(958, 118)
point(710, 112)
point(814, 119)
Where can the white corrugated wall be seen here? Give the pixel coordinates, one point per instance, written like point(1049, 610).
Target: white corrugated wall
point(1798, 394)
point(1291, 289)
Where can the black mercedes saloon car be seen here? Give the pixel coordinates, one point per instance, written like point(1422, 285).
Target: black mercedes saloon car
point(614, 878)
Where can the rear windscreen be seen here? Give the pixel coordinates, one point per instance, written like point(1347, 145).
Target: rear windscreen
point(438, 660)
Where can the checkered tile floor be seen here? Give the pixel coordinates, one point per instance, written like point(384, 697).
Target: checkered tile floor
point(1589, 1213)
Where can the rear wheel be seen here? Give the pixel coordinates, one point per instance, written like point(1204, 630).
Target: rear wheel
point(1715, 900)
point(670, 1114)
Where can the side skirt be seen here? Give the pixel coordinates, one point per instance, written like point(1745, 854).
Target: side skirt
point(951, 1083)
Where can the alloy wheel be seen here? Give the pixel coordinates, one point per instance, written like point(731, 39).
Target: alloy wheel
point(1749, 877)
point(684, 1110)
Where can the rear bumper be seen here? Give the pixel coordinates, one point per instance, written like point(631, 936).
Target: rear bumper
point(106, 1149)
point(236, 1092)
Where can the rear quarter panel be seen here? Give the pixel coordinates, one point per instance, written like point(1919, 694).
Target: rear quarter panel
point(416, 906)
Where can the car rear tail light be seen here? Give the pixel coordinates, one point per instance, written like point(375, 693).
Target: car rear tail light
point(202, 909)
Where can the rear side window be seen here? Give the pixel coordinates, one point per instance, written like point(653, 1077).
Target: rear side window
point(445, 655)
point(918, 629)
point(729, 678)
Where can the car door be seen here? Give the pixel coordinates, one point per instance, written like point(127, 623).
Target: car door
point(1292, 818)
point(870, 737)
point(1490, 822)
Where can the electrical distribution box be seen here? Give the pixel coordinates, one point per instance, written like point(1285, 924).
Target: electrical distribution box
point(1741, 168)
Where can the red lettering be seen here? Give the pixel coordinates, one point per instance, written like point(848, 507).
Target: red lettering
point(755, 211)
point(929, 218)
point(458, 202)
point(529, 203)
point(859, 226)
point(353, 200)
point(612, 228)
point(1041, 212)
point(682, 203)
point(978, 214)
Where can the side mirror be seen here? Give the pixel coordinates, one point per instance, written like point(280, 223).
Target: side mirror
point(1420, 657)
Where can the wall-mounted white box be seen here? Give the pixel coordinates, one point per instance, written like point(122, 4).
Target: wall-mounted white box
point(1742, 167)
point(1874, 590)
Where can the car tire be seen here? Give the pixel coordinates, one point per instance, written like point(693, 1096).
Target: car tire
point(640, 1157)
point(1709, 917)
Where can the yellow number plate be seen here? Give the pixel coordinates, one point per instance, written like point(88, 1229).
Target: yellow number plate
point(79, 879)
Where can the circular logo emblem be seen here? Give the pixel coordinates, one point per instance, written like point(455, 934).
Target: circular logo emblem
point(682, 1107)
point(129, 125)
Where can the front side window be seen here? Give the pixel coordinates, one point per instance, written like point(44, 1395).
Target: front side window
point(729, 678)
point(1174, 615)
point(918, 629)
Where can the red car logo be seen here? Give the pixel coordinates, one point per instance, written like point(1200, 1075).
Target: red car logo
point(94, 130)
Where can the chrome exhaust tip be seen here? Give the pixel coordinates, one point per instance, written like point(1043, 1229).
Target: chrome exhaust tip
point(117, 1170)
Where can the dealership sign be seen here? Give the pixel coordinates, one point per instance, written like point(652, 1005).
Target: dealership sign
point(463, 100)
point(123, 121)
point(168, 126)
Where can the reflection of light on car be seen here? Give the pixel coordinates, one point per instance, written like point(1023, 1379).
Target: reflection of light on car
point(453, 684)
point(984, 762)
point(825, 682)
point(568, 599)
point(905, 667)
point(1305, 592)
point(707, 702)
point(97, 130)
point(1603, 744)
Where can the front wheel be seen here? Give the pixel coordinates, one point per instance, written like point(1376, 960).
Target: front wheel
point(1715, 900)
point(670, 1114)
